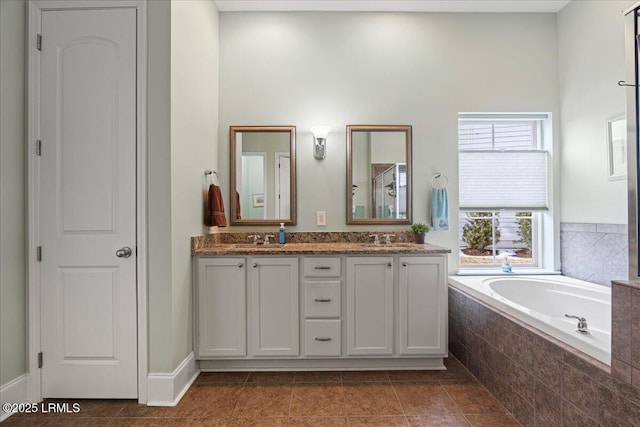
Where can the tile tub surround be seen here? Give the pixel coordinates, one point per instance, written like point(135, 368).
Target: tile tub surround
point(597, 253)
point(540, 380)
point(625, 330)
point(310, 243)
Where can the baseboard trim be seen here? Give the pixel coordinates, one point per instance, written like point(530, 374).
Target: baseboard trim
point(168, 389)
point(14, 391)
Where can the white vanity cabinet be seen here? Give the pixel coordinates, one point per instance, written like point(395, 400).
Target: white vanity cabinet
point(422, 307)
point(316, 311)
point(370, 306)
point(220, 308)
point(274, 306)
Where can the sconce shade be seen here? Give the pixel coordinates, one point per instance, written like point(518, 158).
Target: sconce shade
point(320, 131)
point(320, 141)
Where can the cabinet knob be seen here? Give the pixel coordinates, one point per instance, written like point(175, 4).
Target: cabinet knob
point(322, 339)
point(389, 265)
point(240, 265)
point(255, 265)
point(404, 264)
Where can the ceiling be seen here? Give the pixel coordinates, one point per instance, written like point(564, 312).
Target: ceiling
point(540, 6)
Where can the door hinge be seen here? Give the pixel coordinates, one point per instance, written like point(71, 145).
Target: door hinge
point(40, 360)
point(39, 253)
point(38, 147)
point(39, 42)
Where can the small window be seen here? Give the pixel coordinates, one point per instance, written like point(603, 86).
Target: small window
point(503, 190)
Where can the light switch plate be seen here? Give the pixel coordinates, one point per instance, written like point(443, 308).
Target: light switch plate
point(321, 217)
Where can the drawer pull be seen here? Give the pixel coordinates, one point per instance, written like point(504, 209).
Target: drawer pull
point(322, 267)
point(323, 339)
point(404, 264)
point(322, 300)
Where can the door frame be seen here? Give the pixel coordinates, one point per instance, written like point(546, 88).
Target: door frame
point(276, 180)
point(34, 23)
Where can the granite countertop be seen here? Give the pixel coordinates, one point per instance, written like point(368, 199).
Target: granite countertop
point(318, 248)
point(311, 243)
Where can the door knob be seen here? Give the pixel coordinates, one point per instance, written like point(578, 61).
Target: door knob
point(124, 252)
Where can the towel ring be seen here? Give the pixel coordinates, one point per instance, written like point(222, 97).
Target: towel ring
point(209, 172)
point(439, 181)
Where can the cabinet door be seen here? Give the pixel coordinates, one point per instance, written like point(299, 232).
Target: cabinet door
point(220, 304)
point(423, 305)
point(370, 306)
point(274, 307)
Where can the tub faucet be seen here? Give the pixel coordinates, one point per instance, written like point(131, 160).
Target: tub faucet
point(582, 324)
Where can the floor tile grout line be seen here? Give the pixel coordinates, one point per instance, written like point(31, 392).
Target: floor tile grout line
point(395, 393)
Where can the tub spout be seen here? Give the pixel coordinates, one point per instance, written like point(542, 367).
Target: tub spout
point(583, 328)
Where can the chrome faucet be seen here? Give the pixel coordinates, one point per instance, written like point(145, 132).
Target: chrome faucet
point(387, 238)
point(583, 328)
point(376, 239)
point(255, 238)
point(266, 239)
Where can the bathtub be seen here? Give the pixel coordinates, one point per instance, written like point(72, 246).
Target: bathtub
point(542, 301)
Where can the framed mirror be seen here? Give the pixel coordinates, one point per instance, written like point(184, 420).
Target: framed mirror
point(378, 174)
point(262, 175)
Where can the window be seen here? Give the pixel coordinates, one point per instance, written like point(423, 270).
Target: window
point(503, 189)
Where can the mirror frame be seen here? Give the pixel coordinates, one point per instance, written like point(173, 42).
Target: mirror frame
point(378, 128)
point(233, 130)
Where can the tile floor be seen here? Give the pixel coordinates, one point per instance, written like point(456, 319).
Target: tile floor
point(327, 399)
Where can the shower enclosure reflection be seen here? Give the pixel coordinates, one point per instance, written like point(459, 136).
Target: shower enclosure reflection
point(379, 174)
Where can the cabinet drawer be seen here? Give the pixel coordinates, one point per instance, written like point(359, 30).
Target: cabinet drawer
point(322, 298)
point(322, 338)
point(321, 267)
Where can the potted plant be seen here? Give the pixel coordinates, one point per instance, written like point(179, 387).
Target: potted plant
point(419, 231)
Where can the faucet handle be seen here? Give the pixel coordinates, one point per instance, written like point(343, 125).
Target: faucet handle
point(266, 239)
point(583, 328)
point(255, 238)
point(376, 239)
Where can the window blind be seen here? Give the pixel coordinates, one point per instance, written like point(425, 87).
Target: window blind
point(491, 180)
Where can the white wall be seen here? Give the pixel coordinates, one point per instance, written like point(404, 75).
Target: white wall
point(12, 191)
point(194, 147)
point(159, 185)
point(380, 68)
point(591, 61)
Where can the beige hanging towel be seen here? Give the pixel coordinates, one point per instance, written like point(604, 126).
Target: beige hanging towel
point(214, 214)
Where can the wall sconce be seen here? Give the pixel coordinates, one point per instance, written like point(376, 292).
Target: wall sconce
point(320, 141)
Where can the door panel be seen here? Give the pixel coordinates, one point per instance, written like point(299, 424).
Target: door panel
point(221, 302)
point(274, 307)
point(88, 203)
point(370, 306)
point(423, 300)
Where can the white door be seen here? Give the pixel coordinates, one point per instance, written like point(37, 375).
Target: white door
point(283, 186)
point(221, 302)
point(370, 306)
point(274, 307)
point(423, 305)
point(87, 203)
